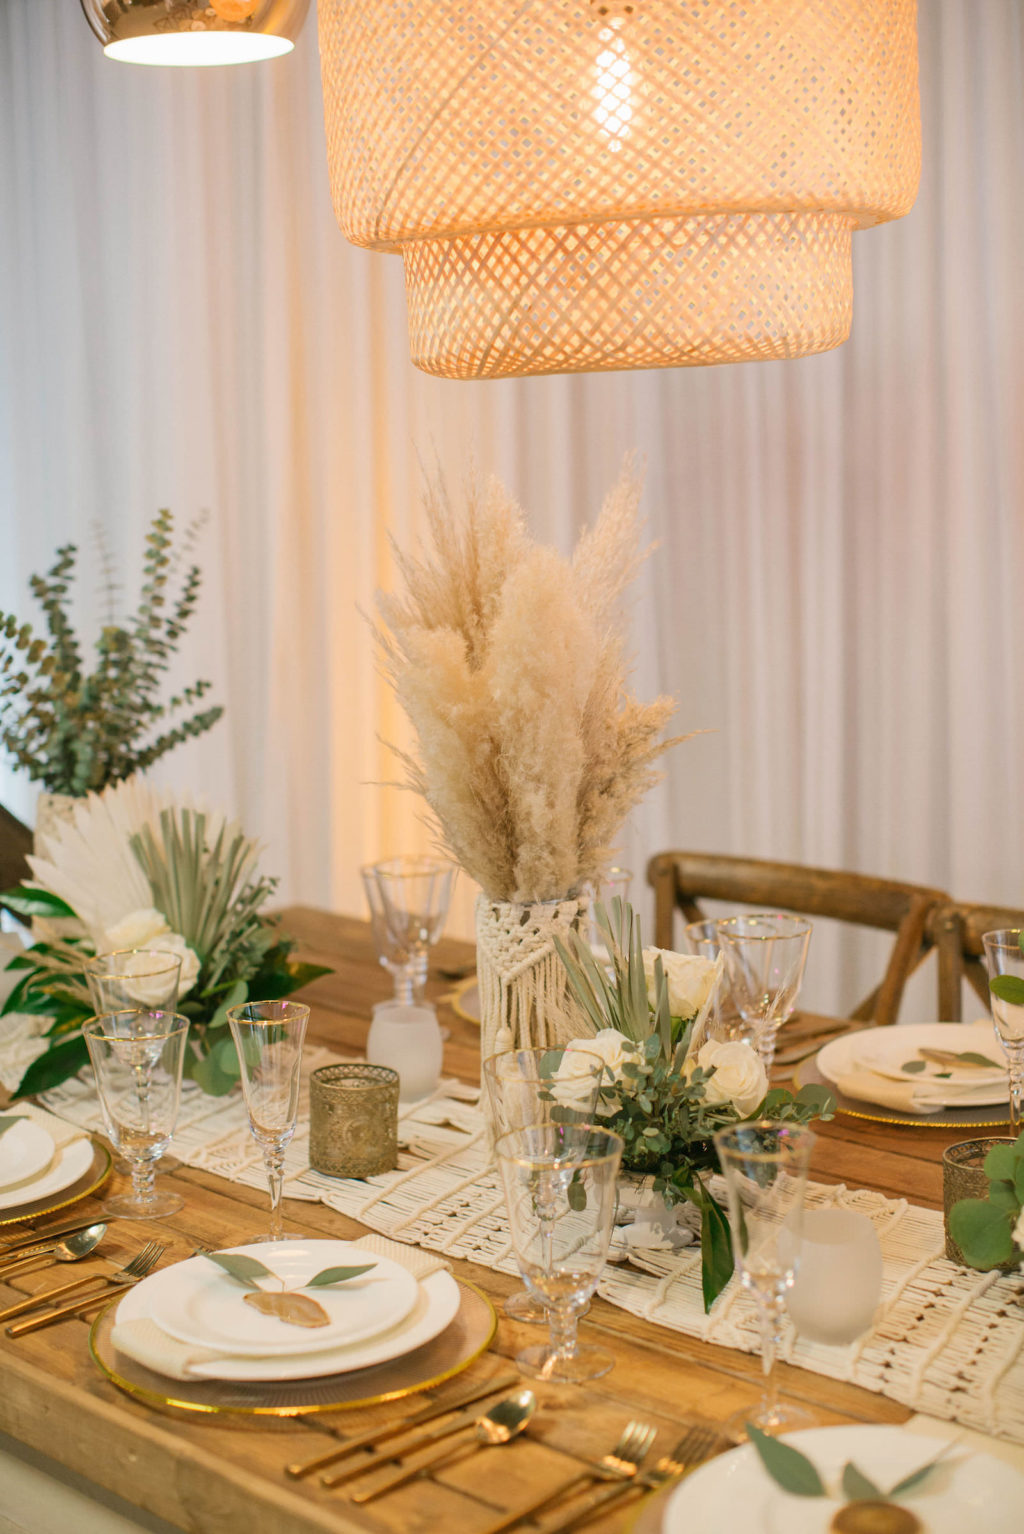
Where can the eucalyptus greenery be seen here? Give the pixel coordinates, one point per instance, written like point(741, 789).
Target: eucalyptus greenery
point(798, 1475)
point(72, 729)
point(985, 1228)
point(666, 1121)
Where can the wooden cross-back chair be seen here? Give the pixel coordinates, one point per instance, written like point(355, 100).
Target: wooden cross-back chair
point(956, 930)
point(682, 879)
point(15, 845)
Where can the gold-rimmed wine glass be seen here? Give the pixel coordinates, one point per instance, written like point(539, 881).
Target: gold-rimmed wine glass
point(268, 1036)
point(764, 957)
point(134, 977)
point(1004, 957)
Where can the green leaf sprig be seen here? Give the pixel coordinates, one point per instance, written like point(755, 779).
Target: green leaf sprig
point(290, 1306)
point(983, 1228)
point(798, 1475)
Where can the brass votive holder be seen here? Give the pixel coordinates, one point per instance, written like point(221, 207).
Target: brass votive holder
point(353, 1120)
point(963, 1176)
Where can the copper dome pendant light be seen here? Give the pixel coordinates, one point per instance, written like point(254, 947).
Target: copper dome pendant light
point(195, 32)
point(580, 185)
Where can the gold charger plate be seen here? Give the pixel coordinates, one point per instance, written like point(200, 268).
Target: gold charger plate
point(92, 1178)
point(946, 1118)
point(469, 1334)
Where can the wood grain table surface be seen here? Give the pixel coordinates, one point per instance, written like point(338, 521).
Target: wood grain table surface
point(224, 1478)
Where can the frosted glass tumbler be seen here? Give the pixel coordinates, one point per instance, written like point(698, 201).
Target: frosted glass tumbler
point(839, 1278)
point(407, 1038)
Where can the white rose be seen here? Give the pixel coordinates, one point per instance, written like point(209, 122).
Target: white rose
point(174, 943)
point(690, 980)
point(739, 1076)
point(612, 1046)
point(574, 1081)
point(136, 930)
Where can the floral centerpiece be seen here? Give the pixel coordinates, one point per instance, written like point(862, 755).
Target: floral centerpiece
point(134, 869)
point(668, 1085)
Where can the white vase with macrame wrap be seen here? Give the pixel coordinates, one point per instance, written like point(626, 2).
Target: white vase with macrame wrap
point(524, 996)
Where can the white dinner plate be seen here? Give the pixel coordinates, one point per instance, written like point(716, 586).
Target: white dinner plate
point(966, 1491)
point(71, 1163)
point(436, 1307)
point(26, 1149)
point(887, 1050)
point(197, 1302)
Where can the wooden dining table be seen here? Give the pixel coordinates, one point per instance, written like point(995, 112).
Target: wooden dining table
point(228, 1475)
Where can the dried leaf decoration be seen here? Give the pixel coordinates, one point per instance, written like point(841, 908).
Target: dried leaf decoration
point(296, 1309)
point(289, 1306)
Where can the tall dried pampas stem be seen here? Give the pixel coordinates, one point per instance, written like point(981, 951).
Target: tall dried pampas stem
point(511, 664)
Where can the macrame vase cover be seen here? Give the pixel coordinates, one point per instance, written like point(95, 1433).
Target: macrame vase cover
point(578, 185)
point(524, 996)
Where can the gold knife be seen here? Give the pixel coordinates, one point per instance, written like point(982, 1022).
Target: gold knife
point(76, 1308)
point(378, 1435)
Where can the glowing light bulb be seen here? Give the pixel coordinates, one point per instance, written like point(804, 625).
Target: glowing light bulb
point(613, 85)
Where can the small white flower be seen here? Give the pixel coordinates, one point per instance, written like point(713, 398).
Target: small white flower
point(574, 1081)
point(612, 1046)
point(739, 1076)
point(172, 942)
point(147, 929)
point(690, 980)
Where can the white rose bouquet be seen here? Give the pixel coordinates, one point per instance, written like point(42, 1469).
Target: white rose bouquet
point(135, 870)
point(668, 1086)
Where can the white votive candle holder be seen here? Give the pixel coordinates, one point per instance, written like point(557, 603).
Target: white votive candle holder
point(407, 1038)
point(838, 1280)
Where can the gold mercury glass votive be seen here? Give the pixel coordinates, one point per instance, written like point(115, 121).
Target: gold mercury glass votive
point(963, 1176)
point(353, 1120)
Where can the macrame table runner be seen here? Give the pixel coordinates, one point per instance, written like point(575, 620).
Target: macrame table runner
point(947, 1341)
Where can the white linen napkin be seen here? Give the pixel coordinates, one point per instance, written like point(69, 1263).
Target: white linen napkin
point(912, 1096)
point(148, 1344)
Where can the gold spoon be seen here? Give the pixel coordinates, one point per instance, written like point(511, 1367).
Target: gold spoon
point(71, 1249)
point(499, 1425)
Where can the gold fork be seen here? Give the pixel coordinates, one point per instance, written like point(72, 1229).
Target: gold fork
point(621, 1464)
point(38, 1301)
point(692, 1450)
point(141, 1265)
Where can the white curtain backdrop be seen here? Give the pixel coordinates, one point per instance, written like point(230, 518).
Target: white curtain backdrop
point(837, 593)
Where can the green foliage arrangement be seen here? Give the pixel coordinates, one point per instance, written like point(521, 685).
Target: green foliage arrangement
point(990, 1231)
point(206, 897)
point(665, 1092)
point(72, 729)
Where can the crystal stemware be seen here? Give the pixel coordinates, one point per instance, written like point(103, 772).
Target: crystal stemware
point(408, 899)
point(520, 1088)
point(727, 1021)
point(765, 1165)
point(137, 1057)
point(134, 977)
point(268, 1036)
point(560, 1182)
point(1004, 956)
point(764, 957)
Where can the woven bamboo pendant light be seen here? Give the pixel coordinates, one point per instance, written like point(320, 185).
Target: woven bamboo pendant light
point(577, 185)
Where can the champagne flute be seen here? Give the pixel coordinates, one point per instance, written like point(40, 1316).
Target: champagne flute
point(268, 1036)
point(137, 1057)
point(1004, 956)
point(765, 1165)
point(134, 977)
point(521, 1088)
point(560, 1182)
point(764, 957)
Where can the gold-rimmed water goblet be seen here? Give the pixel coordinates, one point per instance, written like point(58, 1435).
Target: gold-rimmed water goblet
point(134, 977)
point(539, 1086)
point(560, 1193)
point(727, 1021)
point(268, 1036)
point(765, 1165)
point(1004, 959)
point(764, 955)
point(408, 898)
point(137, 1057)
